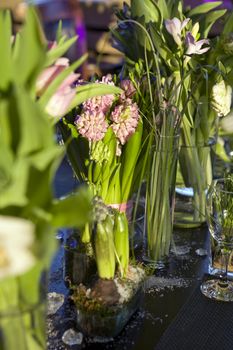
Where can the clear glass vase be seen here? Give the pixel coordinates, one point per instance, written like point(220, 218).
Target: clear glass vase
point(193, 177)
point(78, 264)
point(159, 209)
point(93, 323)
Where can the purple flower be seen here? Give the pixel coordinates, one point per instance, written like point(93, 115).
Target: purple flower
point(125, 120)
point(174, 26)
point(92, 125)
point(195, 47)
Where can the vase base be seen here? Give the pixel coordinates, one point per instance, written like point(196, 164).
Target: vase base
point(217, 290)
point(155, 264)
point(108, 326)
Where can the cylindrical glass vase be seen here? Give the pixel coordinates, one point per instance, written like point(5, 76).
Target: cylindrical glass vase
point(193, 177)
point(159, 207)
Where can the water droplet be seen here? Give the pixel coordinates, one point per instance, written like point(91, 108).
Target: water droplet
point(201, 252)
point(55, 301)
point(71, 337)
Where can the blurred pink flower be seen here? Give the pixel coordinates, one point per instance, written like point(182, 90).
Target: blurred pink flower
point(195, 47)
point(49, 74)
point(125, 120)
point(92, 125)
point(59, 103)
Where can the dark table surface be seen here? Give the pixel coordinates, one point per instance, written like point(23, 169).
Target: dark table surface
point(165, 293)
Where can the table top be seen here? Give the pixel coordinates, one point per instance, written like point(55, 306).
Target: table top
point(165, 293)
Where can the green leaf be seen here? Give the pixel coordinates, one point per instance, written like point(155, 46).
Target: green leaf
point(209, 20)
point(5, 49)
point(35, 132)
point(131, 154)
point(77, 151)
point(53, 54)
point(29, 285)
point(14, 193)
point(84, 92)
point(104, 249)
point(114, 188)
point(59, 32)
point(63, 211)
point(146, 8)
point(228, 26)
point(30, 56)
point(203, 8)
point(221, 152)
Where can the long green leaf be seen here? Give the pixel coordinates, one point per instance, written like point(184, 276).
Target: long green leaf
point(54, 54)
point(84, 92)
point(204, 8)
point(30, 56)
point(131, 153)
point(228, 27)
point(5, 49)
point(209, 20)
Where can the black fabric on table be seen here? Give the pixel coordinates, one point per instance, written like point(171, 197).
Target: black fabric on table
point(201, 324)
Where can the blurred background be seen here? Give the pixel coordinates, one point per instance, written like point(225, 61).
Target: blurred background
point(90, 20)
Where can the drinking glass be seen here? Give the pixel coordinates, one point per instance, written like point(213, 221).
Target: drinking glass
point(219, 215)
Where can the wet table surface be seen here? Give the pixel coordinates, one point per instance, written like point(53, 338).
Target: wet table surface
point(165, 293)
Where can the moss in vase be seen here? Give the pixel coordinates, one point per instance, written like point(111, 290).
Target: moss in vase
point(107, 297)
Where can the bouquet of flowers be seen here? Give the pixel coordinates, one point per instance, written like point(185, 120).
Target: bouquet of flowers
point(104, 149)
point(190, 70)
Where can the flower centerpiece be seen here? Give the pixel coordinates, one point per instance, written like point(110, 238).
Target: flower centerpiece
point(103, 137)
point(173, 43)
point(104, 149)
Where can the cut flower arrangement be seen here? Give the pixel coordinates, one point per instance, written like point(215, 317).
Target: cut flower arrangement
point(186, 70)
point(103, 137)
point(104, 149)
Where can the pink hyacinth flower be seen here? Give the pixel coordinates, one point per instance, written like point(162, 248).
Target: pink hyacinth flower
point(125, 119)
point(92, 125)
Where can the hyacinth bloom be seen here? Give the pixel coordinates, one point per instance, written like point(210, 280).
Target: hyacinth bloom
point(125, 120)
point(195, 47)
point(92, 125)
point(174, 26)
point(16, 237)
point(129, 89)
point(100, 103)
